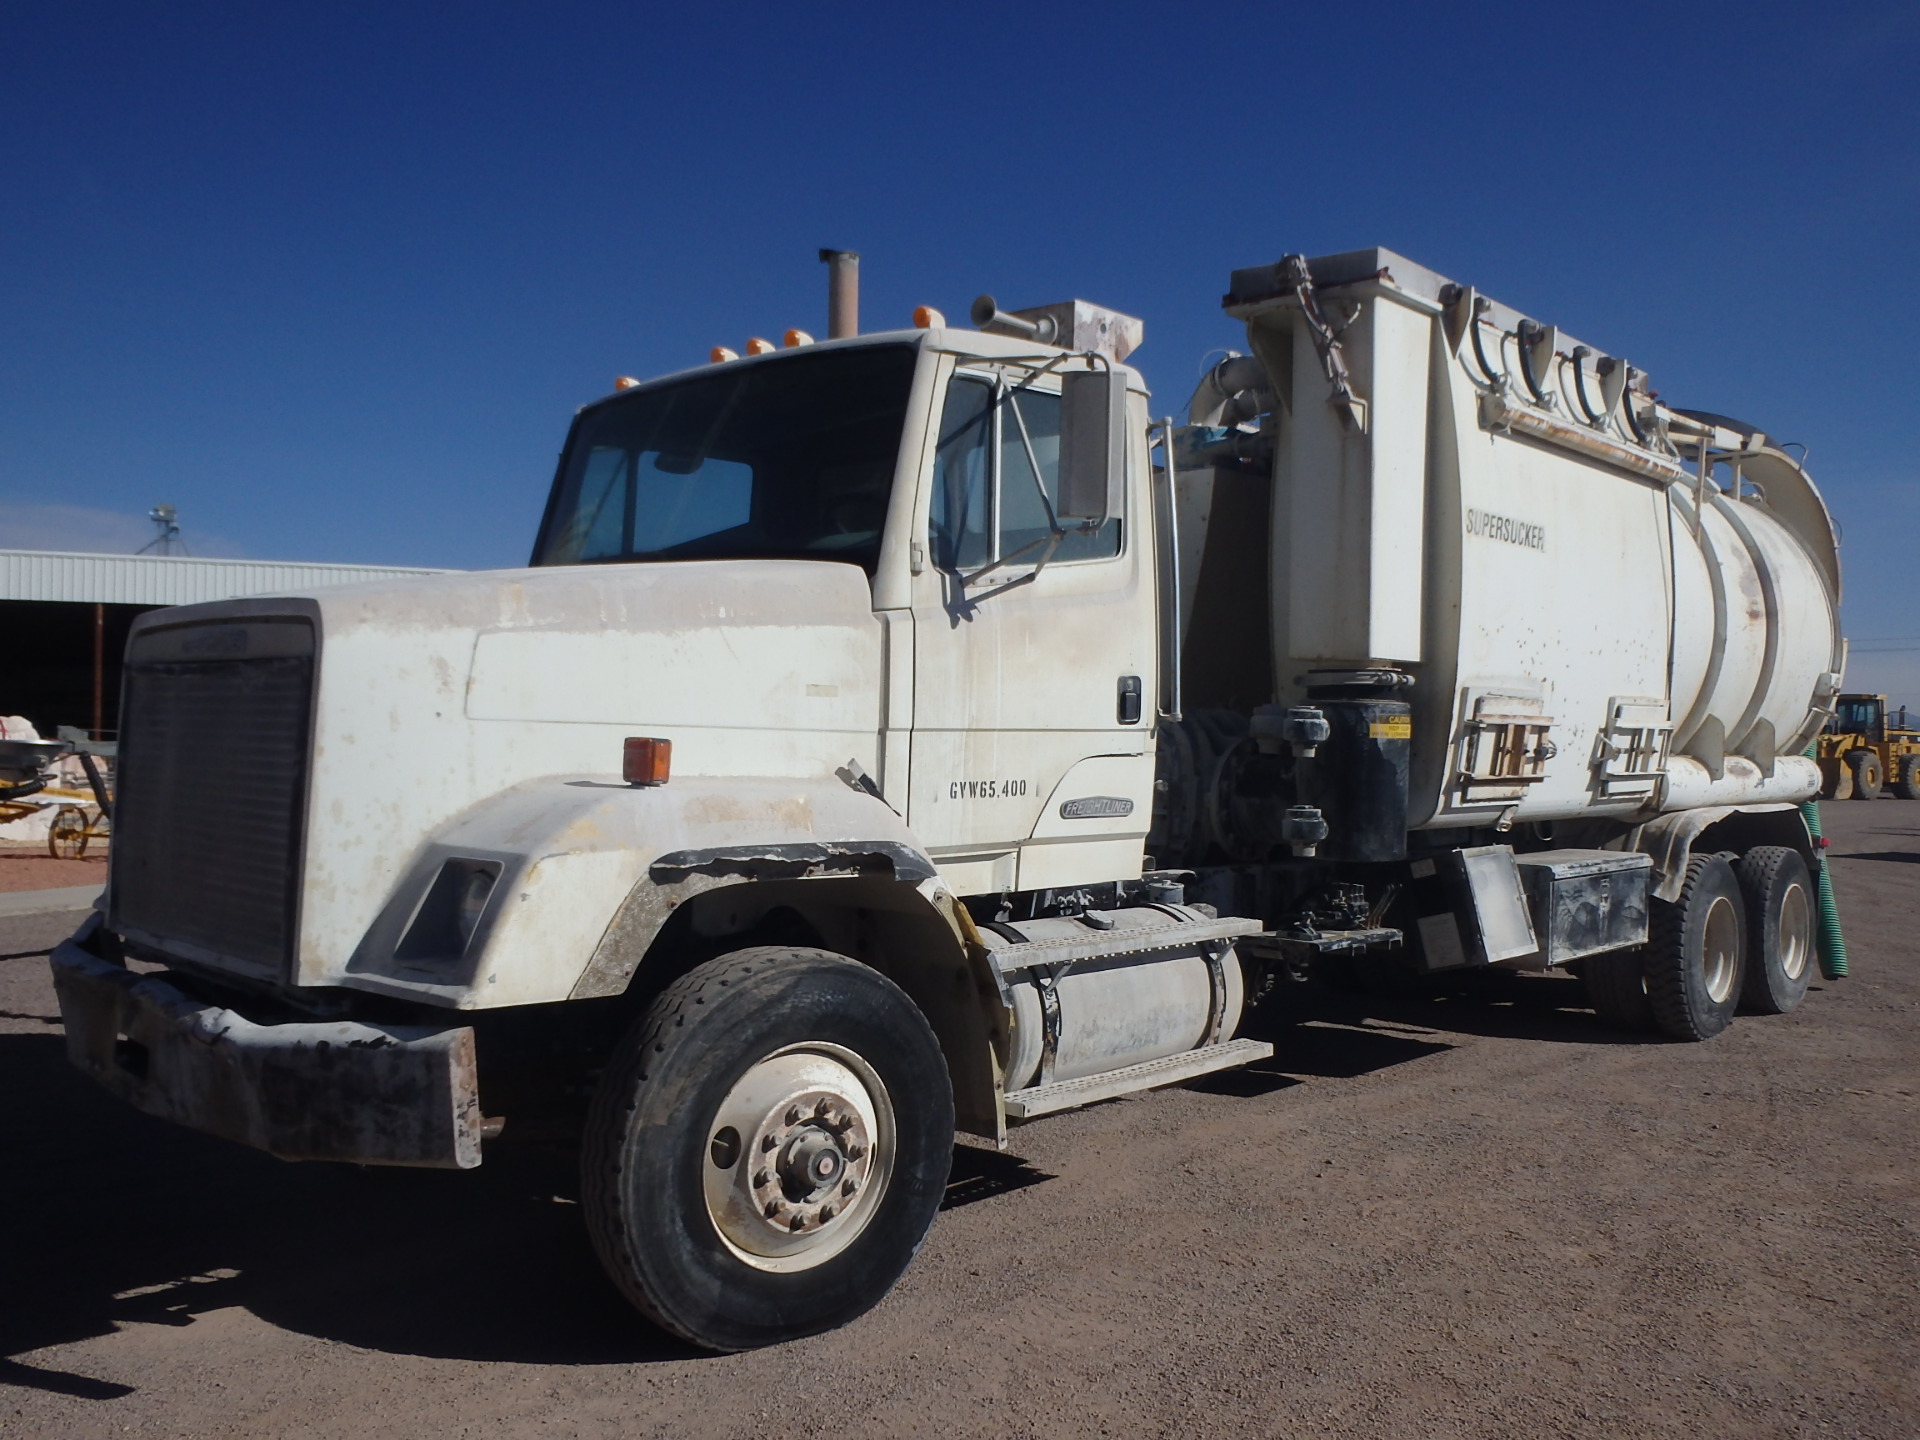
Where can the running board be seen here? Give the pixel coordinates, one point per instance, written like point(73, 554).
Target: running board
point(1169, 1070)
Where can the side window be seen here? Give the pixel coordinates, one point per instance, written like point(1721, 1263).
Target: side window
point(999, 450)
point(1029, 425)
point(962, 522)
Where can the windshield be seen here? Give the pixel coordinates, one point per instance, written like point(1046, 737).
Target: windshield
point(790, 459)
point(1856, 716)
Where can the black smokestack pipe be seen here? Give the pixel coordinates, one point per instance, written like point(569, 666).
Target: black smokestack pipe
point(843, 293)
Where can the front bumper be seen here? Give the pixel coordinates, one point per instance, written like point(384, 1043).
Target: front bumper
point(320, 1090)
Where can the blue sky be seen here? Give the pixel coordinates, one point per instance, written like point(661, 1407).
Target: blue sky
point(332, 278)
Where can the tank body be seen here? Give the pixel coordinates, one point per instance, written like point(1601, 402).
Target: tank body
point(1605, 606)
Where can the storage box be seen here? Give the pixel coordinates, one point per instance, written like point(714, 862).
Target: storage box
point(1584, 902)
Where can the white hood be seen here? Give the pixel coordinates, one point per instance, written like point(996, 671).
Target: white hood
point(436, 694)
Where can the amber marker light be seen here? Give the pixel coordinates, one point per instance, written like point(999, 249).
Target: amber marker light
point(720, 354)
point(645, 762)
point(624, 382)
point(925, 317)
point(757, 346)
point(794, 339)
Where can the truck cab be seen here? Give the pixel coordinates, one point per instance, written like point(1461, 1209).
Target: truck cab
point(919, 477)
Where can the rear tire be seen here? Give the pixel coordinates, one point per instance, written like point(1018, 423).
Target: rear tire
point(1696, 949)
point(1867, 774)
point(1906, 782)
point(768, 1147)
point(1617, 988)
point(1780, 910)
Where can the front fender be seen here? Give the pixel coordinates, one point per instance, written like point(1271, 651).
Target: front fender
point(588, 868)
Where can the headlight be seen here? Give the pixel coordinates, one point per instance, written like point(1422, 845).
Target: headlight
point(454, 906)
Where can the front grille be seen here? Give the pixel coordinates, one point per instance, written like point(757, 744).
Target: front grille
point(211, 792)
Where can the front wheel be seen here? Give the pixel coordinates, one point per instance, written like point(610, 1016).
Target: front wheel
point(1867, 775)
point(768, 1147)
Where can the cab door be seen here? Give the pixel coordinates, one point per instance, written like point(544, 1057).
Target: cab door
point(1034, 648)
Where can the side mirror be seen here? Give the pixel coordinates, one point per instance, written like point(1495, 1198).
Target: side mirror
point(1093, 445)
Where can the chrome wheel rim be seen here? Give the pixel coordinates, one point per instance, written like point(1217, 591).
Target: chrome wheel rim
point(1796, 932)
point(1720, 949)
point(798, 1156)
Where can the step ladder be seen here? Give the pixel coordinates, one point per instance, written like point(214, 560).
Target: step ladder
point(1110, 1084)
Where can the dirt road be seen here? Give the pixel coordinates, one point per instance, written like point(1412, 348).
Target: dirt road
point(1465, 1218)
point(30, 867)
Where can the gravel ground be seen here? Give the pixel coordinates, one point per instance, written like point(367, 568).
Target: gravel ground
point(1465, 1218)
point(30, 867)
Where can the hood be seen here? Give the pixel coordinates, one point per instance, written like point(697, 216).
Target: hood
point(436, 694)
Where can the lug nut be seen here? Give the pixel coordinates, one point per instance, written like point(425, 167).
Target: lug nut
point(823, 1106)
point(771, 1209)
point(761, 1180)
point(855, 1152)
point(799, 1222)
point(850, 1186)
point(768, 1142)
point(793, 1114)
point(826, 1214)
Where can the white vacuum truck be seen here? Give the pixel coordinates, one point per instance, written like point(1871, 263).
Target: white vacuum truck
point(880, 743)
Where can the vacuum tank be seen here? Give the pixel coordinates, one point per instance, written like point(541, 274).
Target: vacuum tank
point(1594, 604)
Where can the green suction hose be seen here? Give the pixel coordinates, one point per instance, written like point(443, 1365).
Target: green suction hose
point(1832, 949)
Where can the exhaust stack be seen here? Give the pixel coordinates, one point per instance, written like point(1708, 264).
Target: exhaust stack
point(843, 293)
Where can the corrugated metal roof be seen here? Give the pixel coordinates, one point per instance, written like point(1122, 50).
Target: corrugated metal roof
point(167, 579)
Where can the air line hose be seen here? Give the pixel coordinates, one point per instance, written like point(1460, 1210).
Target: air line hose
point(1832, 949)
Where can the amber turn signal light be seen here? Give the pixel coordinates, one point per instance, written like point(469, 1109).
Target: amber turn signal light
point(646, 762)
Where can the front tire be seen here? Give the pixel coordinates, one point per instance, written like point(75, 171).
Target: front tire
point(1867, 774)
point(1780, 907)
point(768, 1148)
point(1696, 949)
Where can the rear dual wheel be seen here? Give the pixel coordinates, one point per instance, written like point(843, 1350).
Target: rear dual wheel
point(1685, 981)
point(1739, 936)
point(1696, 951)
point(1780, 940)
point(768, 1148)
point(1617, 988)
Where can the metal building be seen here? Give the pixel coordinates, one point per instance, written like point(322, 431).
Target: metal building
point(64, 619)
